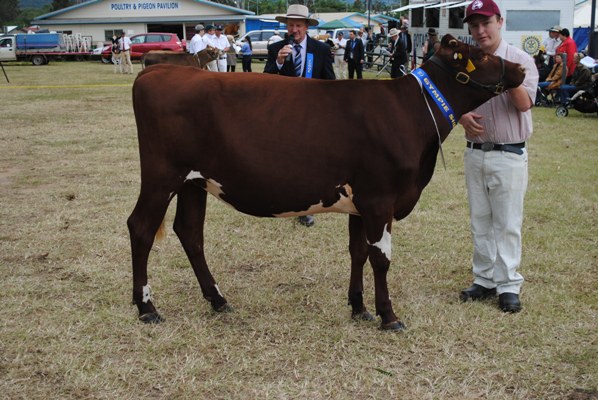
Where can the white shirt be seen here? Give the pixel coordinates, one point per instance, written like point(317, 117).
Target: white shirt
point(274, 39)
point(550, 45)
point(124, 43)
point(502, 122)
point(220, 42)
point(303, 54)
point(197, 44)
point(341, 46)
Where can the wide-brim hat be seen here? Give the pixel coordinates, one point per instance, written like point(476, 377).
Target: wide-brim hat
point(432, 31)
point(298, 11)
point(393, 32)
point(487, 8)
point(556, 29)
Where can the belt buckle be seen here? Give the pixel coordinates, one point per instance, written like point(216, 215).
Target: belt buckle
point(487, 146)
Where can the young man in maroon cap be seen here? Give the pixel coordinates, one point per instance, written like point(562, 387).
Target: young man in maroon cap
point(496, 167)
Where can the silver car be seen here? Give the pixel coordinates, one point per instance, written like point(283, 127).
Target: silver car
point(259, 41)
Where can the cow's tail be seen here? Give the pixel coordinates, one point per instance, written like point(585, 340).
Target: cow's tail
point(161, 232)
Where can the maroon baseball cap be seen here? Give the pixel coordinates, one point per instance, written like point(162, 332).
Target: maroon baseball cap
point(486, 8)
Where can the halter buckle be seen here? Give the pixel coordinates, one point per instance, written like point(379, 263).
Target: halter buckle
point(462, 78)
point(500, 88)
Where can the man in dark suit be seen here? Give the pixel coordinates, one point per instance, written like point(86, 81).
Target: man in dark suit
point(354, 55)
point(309, 58)
point(299, 56)
point(405, 38)
point(398, 54)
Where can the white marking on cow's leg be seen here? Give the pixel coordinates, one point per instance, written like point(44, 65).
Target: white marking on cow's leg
point(147, 294)
point(218, 290)
point(193, 175)
point(385, 243)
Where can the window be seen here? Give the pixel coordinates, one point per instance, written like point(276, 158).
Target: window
point(112, 32)
point(5, 42)
point(532, 20)
point(154, 39)
point(456, 16)
point(417, 17)
point(138, 39)
point(432, 17)
point(255, 36)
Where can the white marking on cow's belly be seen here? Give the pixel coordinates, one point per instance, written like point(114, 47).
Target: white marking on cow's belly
point(343, 205)
point(147, 294)
point(385, 243)
point(212, 186)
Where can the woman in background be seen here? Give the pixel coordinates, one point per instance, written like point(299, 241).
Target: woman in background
point(246, 51)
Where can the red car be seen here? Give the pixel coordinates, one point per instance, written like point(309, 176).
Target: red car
point(144, 42)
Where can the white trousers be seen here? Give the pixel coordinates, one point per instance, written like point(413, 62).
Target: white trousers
point(222, 65)
point(496, 184)
point(213, 66)
point(340, 67)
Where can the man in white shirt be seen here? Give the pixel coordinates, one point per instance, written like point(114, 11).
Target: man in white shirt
point(551, 43)
point(274, 38)
point(124, 44)
point(209, 41)
point(197, 43)
point(221, 42)
point(340, 65)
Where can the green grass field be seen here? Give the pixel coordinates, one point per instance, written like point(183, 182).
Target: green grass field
point(69, 178)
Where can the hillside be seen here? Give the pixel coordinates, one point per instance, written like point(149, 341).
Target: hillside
point(33, 3)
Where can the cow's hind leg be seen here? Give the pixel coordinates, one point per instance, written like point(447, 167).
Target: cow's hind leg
point(358, 248)
point(189, 225)
point(143, 224)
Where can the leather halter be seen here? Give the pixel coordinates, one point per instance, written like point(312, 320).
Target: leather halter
point(465, 79)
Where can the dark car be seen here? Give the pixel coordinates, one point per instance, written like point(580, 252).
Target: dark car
point(144, 42)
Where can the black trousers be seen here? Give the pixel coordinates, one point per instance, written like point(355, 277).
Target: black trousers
point(246, 63)
point(354, 67)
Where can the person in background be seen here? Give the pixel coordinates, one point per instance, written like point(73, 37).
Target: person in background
point(398, 54)
point(405, 38)
point(197, 42)
point(431, 45)
point(340, 65)
point(581, 79)
point(496, 167)
point(246, 52)
point(551, 43)
point(540, 61)
point(274, 38)
point(221, 42)
point(124, 44)
point(231, 54)
point(306, 57)
point(209, 40)
point(554, 78)
point(568, 47)
point(354, 56)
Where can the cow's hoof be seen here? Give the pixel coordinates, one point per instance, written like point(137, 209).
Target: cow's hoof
point(362, 316)
point(151, 318)
point(396, 326)
point(225, 308)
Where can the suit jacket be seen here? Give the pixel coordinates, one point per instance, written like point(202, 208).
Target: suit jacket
point(322, 68)
point(399, 52)
point(357, 51)
point(406, 35)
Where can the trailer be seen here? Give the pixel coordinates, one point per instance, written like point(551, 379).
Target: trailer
point(40, 48)
point(526, 21)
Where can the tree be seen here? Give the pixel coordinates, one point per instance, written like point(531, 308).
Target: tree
point(60, 4)
point(9, 11)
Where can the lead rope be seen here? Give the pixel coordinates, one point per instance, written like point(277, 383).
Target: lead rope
point(433, 119)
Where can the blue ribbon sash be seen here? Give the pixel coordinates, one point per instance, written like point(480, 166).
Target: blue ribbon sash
point(309, 65)
point(439, 99)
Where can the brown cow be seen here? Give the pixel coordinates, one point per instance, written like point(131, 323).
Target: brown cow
point(262, 163)
point(200, 59)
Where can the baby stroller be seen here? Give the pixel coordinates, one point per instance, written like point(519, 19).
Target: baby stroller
point(584, 101)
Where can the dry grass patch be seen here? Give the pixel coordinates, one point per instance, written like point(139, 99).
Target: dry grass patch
point(69, 178)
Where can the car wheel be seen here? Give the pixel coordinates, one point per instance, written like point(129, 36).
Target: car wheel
point(38, 60)
point(561, 111)
point(105, 60)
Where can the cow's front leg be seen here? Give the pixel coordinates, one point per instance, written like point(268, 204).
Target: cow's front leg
point(380, 245)
point(358, 248)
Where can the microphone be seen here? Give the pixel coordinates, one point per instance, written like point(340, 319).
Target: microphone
point(291, 41)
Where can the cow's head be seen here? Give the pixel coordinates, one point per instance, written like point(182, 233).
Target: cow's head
point(213, 53)
point(471, 66)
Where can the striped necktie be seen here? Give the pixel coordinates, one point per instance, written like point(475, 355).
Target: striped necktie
point(297, 60)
